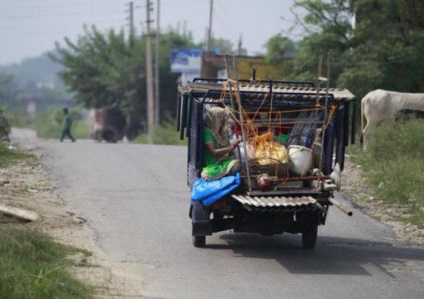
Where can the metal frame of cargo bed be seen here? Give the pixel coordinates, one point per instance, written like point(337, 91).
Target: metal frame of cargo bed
point(285, 95)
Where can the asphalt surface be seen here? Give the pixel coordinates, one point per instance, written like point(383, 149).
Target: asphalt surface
point(136, 200)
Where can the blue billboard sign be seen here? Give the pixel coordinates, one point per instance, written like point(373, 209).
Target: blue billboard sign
point(184, 60)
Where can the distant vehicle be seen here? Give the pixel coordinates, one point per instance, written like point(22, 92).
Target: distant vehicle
point(108, 124)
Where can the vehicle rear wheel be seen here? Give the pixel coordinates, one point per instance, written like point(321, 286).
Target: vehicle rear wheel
point(309, 237)
point(109, 134)
point(199, 241)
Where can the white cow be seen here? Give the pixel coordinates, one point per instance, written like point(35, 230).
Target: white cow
point(381, 104)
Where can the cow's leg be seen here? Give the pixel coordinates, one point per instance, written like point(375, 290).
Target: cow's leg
point(366, 133)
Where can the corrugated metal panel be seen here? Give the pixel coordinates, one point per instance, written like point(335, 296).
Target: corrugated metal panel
point(277, 202)
point(338, 94)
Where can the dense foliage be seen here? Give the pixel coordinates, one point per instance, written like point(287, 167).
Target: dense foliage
point(34, 79)
point(105, 69)
point(383, 48)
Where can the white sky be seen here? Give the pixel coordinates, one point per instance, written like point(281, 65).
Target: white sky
point(29, 28)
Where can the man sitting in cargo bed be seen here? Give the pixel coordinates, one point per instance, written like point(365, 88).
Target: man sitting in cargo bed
point(218, 160)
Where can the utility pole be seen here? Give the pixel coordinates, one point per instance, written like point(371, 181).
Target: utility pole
point(149, 76)
point(157, 64)
point(209, 41)
point(131, 20)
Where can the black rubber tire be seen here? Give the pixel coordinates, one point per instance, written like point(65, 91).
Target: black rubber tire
point(109, 134)
point(309, 237)
point(199, 241)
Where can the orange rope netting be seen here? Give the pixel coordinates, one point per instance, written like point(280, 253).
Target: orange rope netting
point(264, 142)
point(251, 130)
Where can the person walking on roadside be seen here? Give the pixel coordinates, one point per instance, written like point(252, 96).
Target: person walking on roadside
point(67, 124)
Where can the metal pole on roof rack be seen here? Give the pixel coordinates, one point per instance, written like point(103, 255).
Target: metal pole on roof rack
point(326, 100)
point(327, 91)
point(323, 79)
point(317, 103)
point(229, 85)
point(231, 98)
point(243, 134)
point(319, 79)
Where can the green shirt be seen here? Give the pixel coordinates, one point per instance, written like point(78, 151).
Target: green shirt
point(208, 158)
point(67, 121)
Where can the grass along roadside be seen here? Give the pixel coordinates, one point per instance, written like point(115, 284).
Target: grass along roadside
point(393, 169)
point(9, 155)
point(48, 124)
point(32, 263)
point(163, 134)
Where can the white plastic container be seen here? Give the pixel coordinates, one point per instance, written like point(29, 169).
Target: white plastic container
point(300, 160)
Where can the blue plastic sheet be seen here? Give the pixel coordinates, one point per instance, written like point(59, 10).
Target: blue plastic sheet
point(210, 191)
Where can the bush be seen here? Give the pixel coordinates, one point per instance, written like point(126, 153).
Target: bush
point(393, 164)
point(164, 134)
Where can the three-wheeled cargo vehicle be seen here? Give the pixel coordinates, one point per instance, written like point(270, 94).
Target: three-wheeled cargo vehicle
point(293, 138)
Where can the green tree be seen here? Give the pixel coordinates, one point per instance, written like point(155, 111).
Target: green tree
point(224, 46)
point(383, 50)
point(389, 35)
point(95, 66)
point(329, 32)
point(5, 89)
point(171, 39)
point(11, 97)
point(278, 47)
point(102, 69)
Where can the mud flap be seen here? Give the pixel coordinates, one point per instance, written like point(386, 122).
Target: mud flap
point(201, 223)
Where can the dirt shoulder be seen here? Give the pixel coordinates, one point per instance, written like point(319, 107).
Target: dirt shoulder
point(362, 197)
point(26, 185)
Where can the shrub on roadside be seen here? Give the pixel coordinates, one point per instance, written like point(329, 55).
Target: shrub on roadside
point(164, 134)
point(393, 165)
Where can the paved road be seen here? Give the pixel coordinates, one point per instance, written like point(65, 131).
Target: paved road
point(136, 200)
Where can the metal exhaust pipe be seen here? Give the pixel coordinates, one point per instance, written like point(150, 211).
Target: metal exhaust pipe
point(340, 206)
